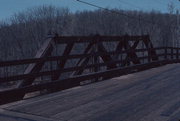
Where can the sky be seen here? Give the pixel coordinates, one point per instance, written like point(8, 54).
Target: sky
point(9, 7)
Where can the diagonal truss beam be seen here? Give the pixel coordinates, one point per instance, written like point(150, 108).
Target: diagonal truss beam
point(151, 51)
point(63, 61)
point(44, 51)
point(106, 58)
point(83, 61)
point(131, 55)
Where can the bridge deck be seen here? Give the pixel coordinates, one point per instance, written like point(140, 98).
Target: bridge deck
point(151, 95)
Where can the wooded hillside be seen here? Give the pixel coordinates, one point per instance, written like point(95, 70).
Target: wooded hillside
point(27, 30)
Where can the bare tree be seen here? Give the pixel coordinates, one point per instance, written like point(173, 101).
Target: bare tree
point(171, 7)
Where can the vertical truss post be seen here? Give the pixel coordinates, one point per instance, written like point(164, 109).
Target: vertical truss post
point(172, 53)
point(106, 58)
point(95, 57)
point(165, 56)
point(177, 53)
point(119, 49)
point(149, 55)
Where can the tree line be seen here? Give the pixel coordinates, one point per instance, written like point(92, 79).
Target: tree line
point(25, 32)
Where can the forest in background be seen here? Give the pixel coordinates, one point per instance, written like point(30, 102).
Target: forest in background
point(25, 32)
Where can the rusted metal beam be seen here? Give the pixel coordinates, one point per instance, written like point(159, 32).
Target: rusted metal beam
point(95, 49)
point(86, 51)
point(131, 54)
point(105, 58)
point(84, 61)
point(151, 50)
point(69, 69)
point(75, 81)
point(83, 64)
point(73, 56)
point(44, 51)
point(87, 39)
point(63, 61)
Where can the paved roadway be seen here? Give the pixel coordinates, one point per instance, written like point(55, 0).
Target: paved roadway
point(151, 95)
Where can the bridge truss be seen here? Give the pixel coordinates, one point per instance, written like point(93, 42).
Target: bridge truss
point(67, 61)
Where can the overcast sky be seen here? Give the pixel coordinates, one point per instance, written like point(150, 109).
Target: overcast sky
point(9, 7)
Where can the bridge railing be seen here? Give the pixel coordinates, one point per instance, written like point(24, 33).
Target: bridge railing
point(103, 65)
point(168, 54)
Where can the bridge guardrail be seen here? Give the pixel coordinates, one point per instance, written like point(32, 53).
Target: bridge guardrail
point(104, 65)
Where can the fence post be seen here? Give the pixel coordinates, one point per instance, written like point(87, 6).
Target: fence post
point(95, 57)
point(149, 55)
point(172, 53)
point(165, 53)
point(177, 53)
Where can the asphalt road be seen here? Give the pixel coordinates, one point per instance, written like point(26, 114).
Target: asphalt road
point(151, 95)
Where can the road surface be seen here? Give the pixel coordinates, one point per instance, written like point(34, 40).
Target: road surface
point(151, 95)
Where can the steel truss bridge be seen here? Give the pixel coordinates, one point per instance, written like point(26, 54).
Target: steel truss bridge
point(67, 61)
